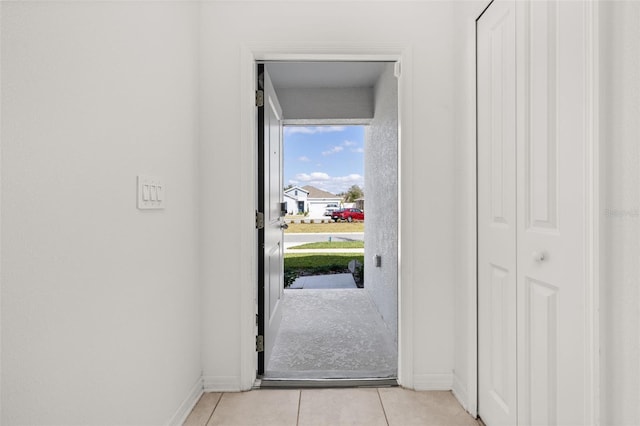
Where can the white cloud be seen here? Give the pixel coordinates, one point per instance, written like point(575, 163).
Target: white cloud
point(333, 150)
point(290, 130)
point(357, 150)
point(304, 159)
point(353, 178)
point(315, 176)
point(349, 143)
point(333, 184)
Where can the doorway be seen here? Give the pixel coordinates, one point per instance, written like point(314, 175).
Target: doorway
point(334, 98)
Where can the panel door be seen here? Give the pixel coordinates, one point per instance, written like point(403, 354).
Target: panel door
point(271, 290)
point(552, 123)
point(496, 83)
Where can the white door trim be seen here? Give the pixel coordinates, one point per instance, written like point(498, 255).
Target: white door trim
point(472, 216)
point(248, 200)
point(592, 208)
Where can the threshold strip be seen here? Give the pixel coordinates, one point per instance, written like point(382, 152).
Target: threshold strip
point(271, 383)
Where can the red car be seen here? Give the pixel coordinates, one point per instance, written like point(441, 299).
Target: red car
point(347, 214)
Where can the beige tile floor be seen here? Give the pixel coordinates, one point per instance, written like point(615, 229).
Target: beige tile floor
point(331, 407)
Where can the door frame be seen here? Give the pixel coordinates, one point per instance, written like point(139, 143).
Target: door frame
point(592, 206)
point(251, 54)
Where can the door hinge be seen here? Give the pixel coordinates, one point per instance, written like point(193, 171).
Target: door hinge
point(259, 98)
point(259, 220)
point(259, 343)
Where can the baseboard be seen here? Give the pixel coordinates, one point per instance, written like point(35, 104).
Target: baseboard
point(435, 381)
point(460, 392)
point(222, 384)
point(187, 405)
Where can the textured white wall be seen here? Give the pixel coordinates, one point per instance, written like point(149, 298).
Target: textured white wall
point(424, 31)
point(381, 200)
point(620, 215)
point(100, 314)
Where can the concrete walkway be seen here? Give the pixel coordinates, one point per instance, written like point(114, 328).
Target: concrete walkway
point(338, 250)
point(324, 281)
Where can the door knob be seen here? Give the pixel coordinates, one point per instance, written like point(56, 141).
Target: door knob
point(284, 225)
point(539, 256)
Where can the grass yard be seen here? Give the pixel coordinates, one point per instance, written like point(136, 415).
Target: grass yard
point(325, 227)
point(330, 245)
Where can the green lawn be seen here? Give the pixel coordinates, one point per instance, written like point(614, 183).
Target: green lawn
point(325, 227)
point(330, 245)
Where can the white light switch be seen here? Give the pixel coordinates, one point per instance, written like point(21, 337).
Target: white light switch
point(151, 193)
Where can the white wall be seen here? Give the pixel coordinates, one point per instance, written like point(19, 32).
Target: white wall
point(326, 103)
point(620, 215)
point(381, 171)
point(423, 33)
point(100, 315)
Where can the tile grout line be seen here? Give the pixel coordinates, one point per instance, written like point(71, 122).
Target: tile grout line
point(382, 405)
point(299, 403)
point(214, 409)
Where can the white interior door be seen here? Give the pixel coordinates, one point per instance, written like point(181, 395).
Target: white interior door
point(273, 217)
point(534, 353)
point(553, 325)
point(496, 83)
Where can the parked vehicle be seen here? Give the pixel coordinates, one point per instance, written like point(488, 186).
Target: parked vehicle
point(347, 214)
point(331, 207)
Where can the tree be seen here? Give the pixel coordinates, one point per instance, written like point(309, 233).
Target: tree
point(353, 194)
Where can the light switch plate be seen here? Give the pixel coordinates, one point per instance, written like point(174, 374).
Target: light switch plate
point(151, 193)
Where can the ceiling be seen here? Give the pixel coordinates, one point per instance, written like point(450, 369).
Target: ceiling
point(323, 75)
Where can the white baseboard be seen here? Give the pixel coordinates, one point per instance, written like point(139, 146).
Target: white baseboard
point(222, 384)
point(435, 381)
point(187, 405)
point(460, 392)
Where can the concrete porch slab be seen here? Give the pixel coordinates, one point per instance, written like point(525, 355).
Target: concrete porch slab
point(332, 334)
point(324, 281)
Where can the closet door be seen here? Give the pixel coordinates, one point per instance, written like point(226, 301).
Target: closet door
point(553, 127)
point(496, 83)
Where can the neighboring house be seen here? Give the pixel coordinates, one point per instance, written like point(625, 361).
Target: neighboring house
point(292, 203)
point(318, 200)
point(296, 199)
point(360, 203)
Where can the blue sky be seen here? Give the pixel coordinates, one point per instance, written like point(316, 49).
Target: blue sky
point(327, 157)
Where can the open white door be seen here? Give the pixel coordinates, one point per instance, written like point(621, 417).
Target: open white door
point(271, 274)
point(496, 82)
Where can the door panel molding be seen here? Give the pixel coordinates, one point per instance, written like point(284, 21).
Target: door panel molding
point(541, 138)
point(541, 348)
